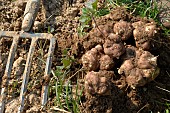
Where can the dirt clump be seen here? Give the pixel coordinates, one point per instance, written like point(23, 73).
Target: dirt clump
point(12, 106)
point(119, 13)
point(12, 16)
point(18, 67)
point(33, 109)
point(3, 61)
point(32, 104)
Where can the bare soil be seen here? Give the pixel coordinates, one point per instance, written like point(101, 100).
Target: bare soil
point(62, 21)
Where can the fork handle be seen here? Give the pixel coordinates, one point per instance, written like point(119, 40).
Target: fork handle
point(30, 14)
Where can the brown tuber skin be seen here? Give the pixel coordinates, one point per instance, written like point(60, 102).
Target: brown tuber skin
point(145, 45)
point(144, 34)
point(113, 47)
point(99, 48)
point(140, 69)
point(115, 50)
point(151, 74)
point(98, 82)
point(139, 77)
point(124, 29)
point(106, 63)
point(136, 79)
point(147, 61)
point(127, 66)
point(90, 59)
point(114, 37)
point(151, 29)
point(94, 59)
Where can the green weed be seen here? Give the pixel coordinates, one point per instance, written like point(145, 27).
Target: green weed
point(65, 99)
point(147, 9)
point(89, 13)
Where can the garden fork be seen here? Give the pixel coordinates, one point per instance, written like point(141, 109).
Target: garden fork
point(30, 14)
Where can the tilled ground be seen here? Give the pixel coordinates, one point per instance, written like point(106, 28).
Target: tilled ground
point(62, 21)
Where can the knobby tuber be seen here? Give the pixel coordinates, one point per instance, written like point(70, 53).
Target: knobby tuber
point(141, 69)
point(114, 49)
point(90, 59)
point(114, 37)
point(98, 82)
point(136, 78)
point(127, 66)
point(144, 34)
point(124, 29)
point(106, 63)
point(94, 59)
point(146, 60)
point(113, 46)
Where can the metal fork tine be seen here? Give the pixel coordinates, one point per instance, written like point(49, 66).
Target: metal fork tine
point(8, 73)
point(48, 71)
point(34, 37)
point(26, 73)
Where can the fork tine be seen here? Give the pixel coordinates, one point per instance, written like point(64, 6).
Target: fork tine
point(44, 93)
point(7, 74)
point(26, 73)
point(34, 37)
